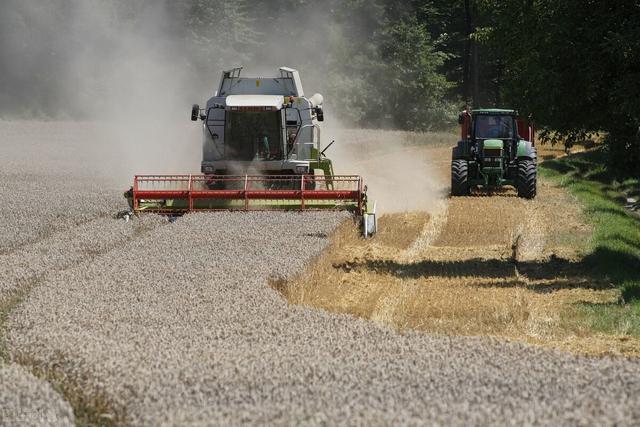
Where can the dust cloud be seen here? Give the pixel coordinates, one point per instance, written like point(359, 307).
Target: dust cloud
point(396, 170)
point(135, 67)
point(118, 65)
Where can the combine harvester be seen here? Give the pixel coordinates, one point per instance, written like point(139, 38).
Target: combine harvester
point(261, 151)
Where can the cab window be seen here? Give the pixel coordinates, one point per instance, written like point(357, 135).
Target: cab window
point(500, 127)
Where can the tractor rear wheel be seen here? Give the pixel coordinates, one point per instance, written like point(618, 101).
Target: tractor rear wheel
point(527, 179)
point(459, 178)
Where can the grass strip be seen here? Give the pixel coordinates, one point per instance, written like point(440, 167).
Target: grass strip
point(614, 250)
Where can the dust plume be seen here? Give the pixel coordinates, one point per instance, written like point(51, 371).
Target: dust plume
point(119, 65)
point(393, 164)
point(135, 68)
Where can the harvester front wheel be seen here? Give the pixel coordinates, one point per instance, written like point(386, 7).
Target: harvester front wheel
point(527, 179)
point(459, 178)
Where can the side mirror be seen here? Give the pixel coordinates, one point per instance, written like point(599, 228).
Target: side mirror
point(319, 114)
point(195, 112)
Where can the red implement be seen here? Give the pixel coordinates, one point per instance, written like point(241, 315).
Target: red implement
point(176, 194)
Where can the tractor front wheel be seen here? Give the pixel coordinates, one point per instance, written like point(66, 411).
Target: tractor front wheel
point(527, 179)
point(459, 178)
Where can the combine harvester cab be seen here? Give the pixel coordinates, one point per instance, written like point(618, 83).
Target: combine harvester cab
point(261, 151)
point(496, 149)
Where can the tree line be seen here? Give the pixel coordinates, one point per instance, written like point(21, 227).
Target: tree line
point(410, 64)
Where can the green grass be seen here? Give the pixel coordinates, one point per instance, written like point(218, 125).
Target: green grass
point(614, 251)
point(614, 319)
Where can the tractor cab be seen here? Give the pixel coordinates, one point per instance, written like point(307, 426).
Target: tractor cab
point(494, 123)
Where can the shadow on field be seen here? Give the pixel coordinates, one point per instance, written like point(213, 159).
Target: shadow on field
point(621, 267)
point(507, 192)
point(552, 275)
point(589, 165)
point(609, 211)
point(556, 166)
point(492, 269)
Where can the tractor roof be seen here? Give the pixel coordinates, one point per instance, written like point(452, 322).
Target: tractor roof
point(494, 111)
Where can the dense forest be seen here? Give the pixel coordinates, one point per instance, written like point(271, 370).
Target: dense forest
point(573, 65)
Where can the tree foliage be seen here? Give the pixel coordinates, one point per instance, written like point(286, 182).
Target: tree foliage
point(575, 65)
point(386, 69)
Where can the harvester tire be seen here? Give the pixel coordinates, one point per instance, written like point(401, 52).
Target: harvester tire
point(527, 179)
point(320, 183)
point(459, 178)
point(311, 183)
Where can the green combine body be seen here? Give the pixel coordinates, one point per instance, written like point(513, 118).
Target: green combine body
point(496, 149)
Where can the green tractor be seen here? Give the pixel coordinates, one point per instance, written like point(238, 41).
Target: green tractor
point(496, 149)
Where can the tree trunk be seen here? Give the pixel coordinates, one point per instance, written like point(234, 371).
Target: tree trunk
point(466, 59)
point(498, 86)
point(475, 68)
